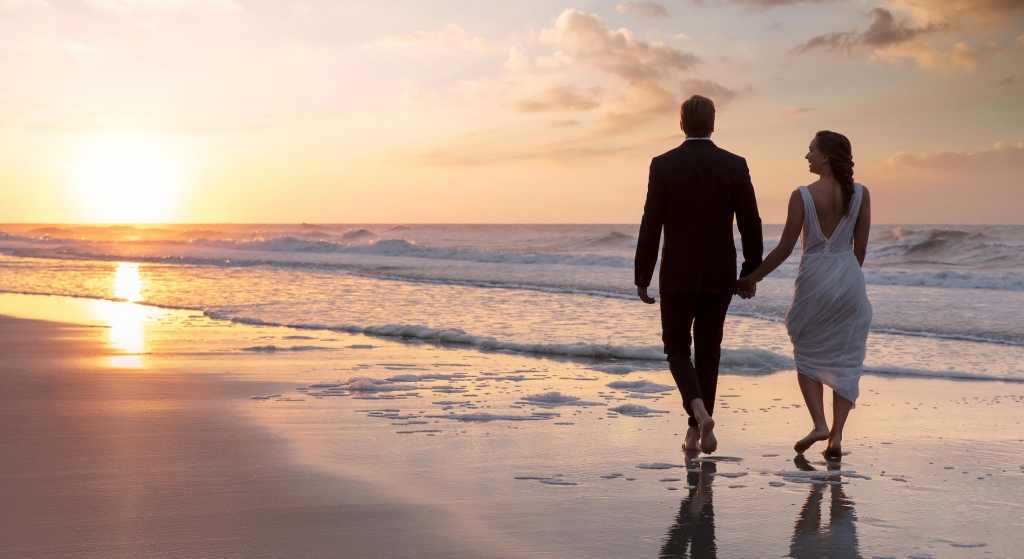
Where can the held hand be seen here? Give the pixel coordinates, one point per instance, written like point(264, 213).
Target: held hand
point(746, 288)
point(642, 292)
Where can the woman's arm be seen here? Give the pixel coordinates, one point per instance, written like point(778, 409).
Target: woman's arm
point(790, 234)
point(862, 229)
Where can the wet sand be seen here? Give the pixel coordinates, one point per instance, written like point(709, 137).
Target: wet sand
point(99, 462)
point(356, 446)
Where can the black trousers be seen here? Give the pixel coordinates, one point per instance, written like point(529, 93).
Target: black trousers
point(705, 313)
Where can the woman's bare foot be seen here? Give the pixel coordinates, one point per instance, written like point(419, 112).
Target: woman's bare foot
point(834, 450)
point(708, 442)
point(692, 442)
point(818, 434)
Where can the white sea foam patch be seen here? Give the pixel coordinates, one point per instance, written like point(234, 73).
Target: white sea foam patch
point(636, 410)
point(485, 417)
point(552, 399)
point(273, 348)
point(906, 371)
point(820, 477)
point(355, 384)
point(642, 385)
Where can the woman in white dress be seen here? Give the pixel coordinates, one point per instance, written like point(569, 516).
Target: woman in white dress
point(829, 318)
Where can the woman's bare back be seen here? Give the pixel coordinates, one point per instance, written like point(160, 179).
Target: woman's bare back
point(828, 203)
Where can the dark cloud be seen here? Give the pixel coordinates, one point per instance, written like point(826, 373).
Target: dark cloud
point(643, 9)
point(885, 30)
point(1008, 80)
point(836, 41)
point(560, 98)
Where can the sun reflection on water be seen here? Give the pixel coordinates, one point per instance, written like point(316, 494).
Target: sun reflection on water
point(128, 282)
point(127, 321)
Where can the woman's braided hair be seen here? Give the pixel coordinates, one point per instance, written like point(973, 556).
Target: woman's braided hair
point(837, 148)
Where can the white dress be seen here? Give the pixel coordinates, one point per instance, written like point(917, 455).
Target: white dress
point(830, 315)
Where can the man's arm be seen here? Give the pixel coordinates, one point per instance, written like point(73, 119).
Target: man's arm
point(748, 221)
point(650, 231)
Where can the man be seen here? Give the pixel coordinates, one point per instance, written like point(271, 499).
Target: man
point(693, 192)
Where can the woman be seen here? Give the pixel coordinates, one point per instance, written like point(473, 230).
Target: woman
point(829, 318)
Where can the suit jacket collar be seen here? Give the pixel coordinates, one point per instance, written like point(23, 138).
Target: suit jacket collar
point(698, 144)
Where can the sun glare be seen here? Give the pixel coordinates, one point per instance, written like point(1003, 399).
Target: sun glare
point(127, 321)
point(127, 183)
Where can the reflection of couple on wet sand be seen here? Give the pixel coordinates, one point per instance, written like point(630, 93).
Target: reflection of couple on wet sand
point(694, 191)
point(693, 533)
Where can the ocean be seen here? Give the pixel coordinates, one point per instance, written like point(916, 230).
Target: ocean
point(947, 299)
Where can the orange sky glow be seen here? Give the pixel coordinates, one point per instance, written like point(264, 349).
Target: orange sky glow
point(532, 111)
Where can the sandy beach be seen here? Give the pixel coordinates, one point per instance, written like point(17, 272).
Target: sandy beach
point(238, 440)
point(100, 462)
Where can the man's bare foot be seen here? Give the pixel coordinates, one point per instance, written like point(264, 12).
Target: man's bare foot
point(692, 442)
point(813, 437)
point(708, 442)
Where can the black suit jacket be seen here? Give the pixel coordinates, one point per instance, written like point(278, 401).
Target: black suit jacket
point(693, 192)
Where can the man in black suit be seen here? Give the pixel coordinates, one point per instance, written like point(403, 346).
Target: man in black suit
point(693, 192)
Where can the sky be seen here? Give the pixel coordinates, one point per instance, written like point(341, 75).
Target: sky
point(419, 111)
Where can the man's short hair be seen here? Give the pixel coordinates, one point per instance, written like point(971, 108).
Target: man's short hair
point(698, 116)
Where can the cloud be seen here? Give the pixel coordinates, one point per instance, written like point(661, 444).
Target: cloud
point(980, 186)
point(835, 41)
point(960, 162)
point(585, 37)
point(517, 60)
point(479, 44)
point(707, 88)
point(895, 41)
point(449, 34)
point(555, 61)
point(1020, 41)
point(1008, 80)
point(650, 71)
point(798, 110)
point(565, 123)
point(985, 11)
point(929, 58)
point(643, 9)
point(560, 98)
point(884, 30)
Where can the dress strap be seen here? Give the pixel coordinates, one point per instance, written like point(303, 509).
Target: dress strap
point(810, 213)
point(858, 196)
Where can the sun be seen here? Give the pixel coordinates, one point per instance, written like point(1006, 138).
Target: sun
point(127, 182)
